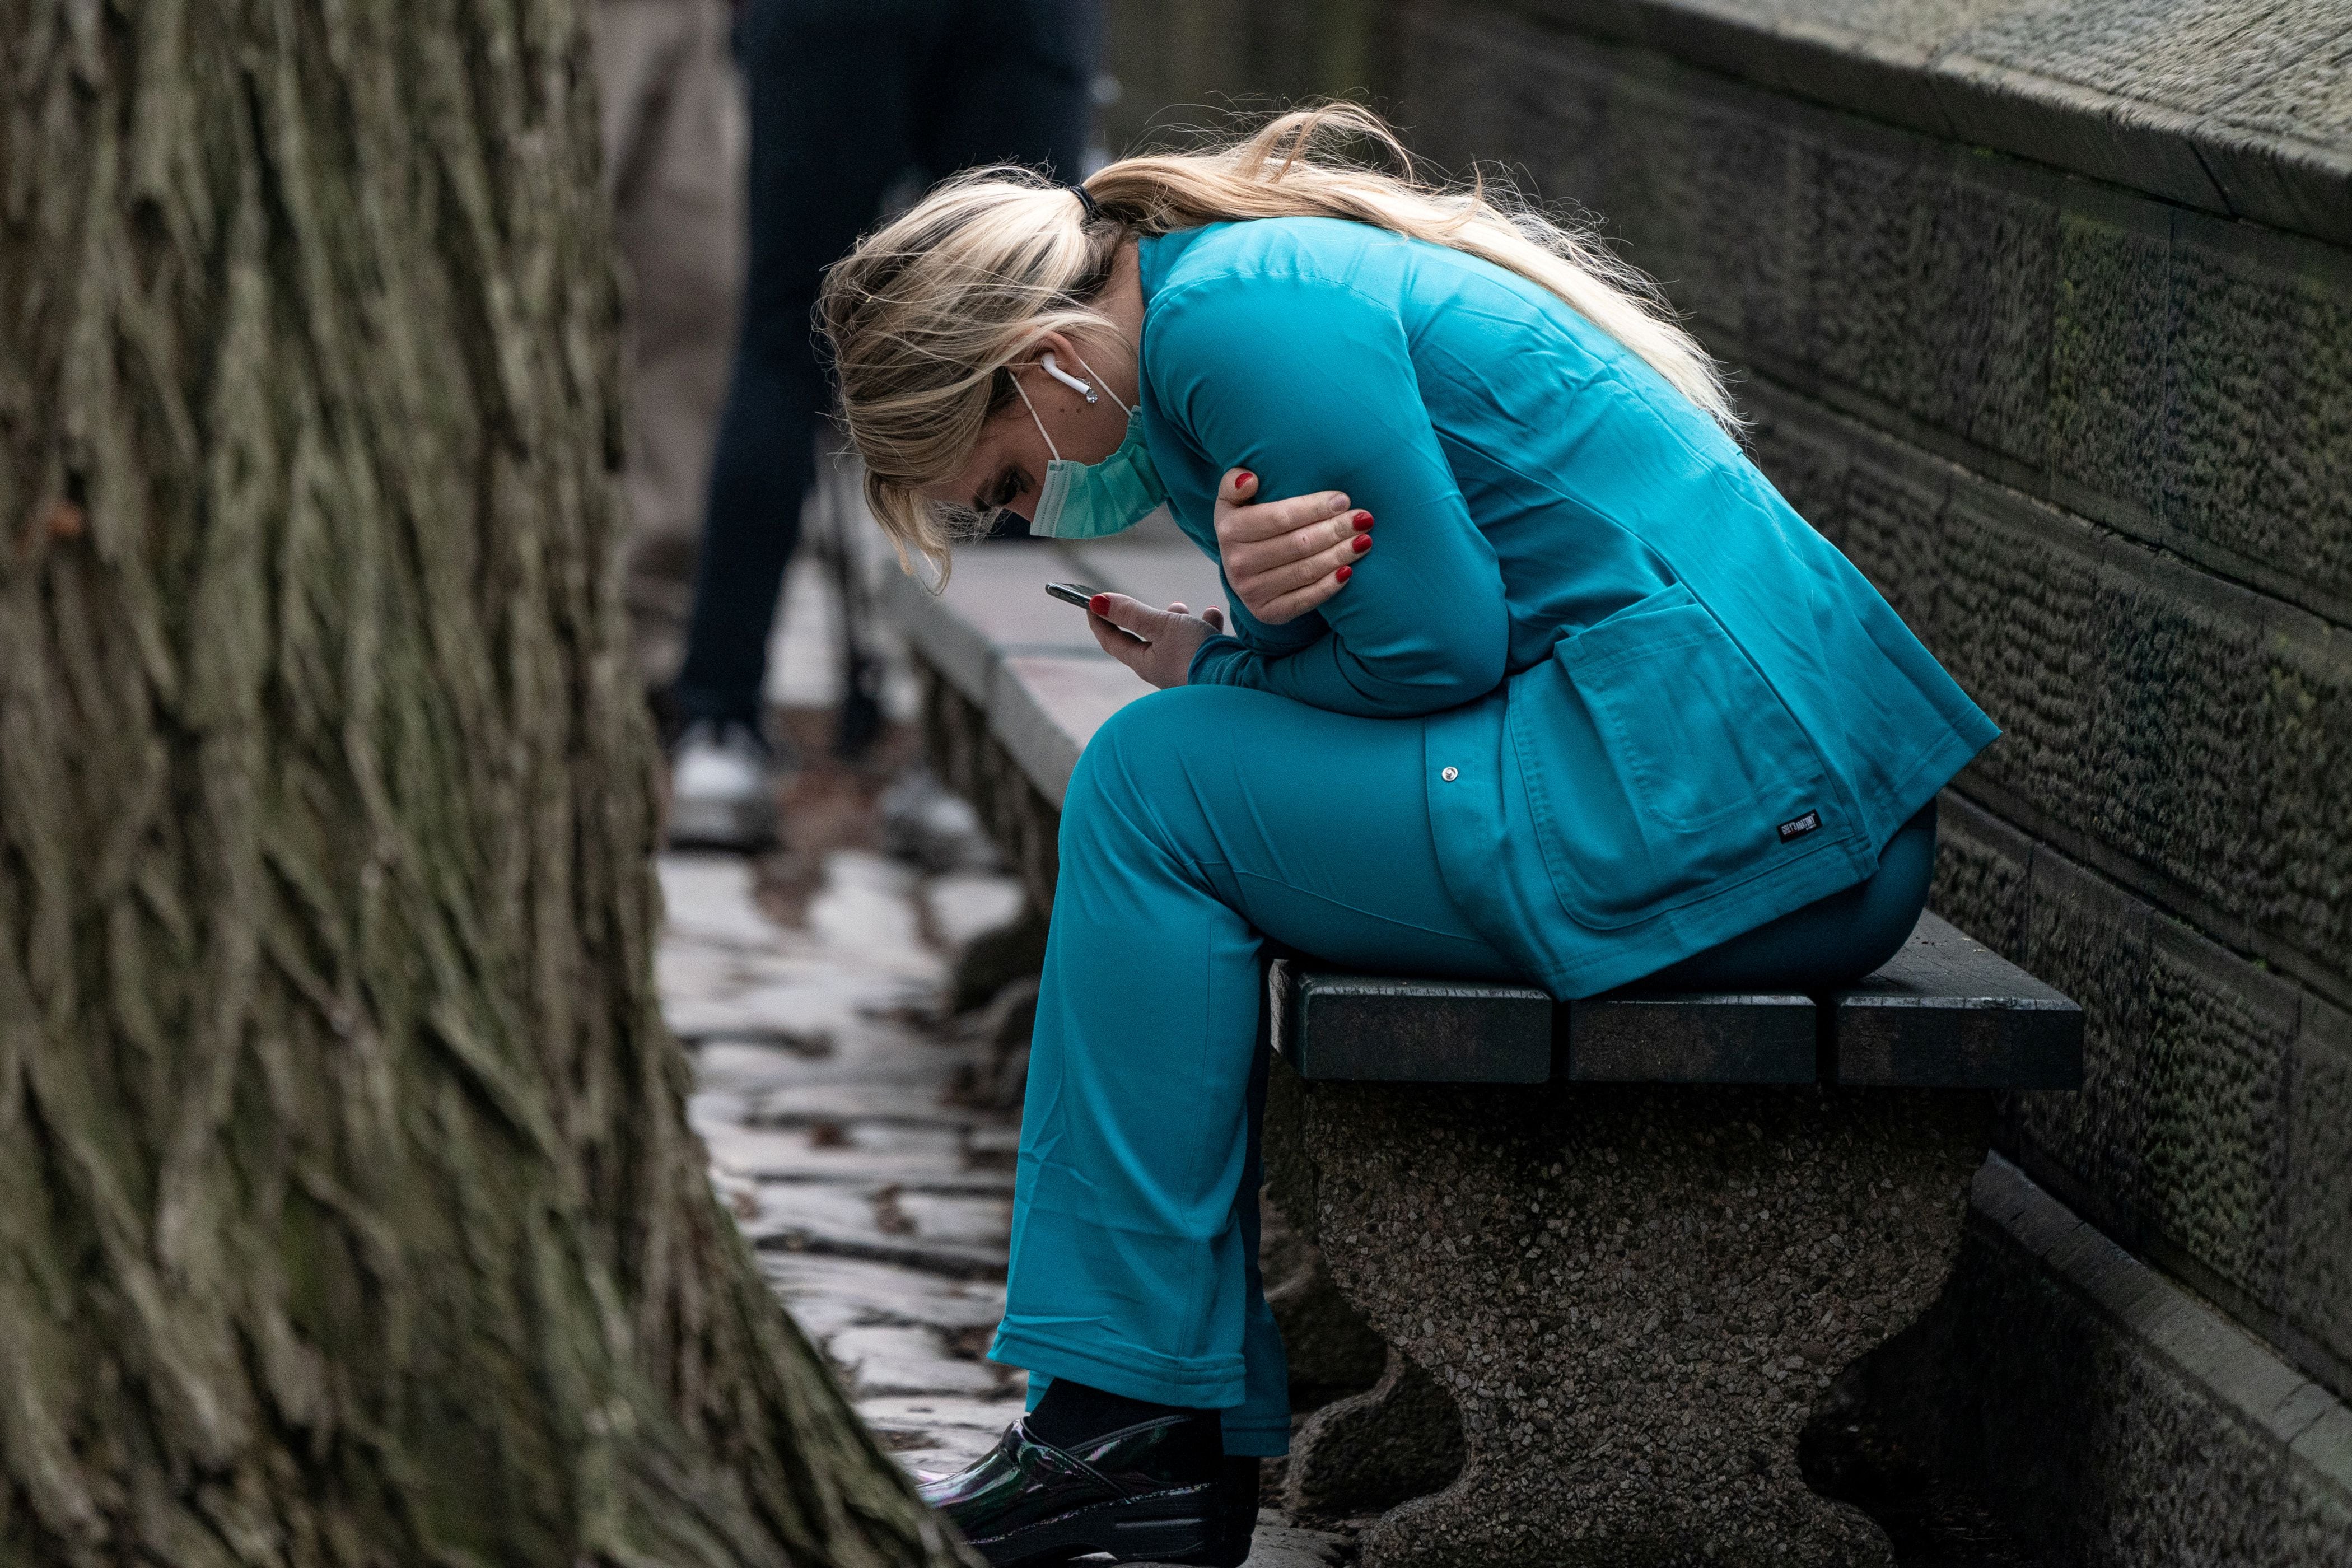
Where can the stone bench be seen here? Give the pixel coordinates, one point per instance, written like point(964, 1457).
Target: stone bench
point(1620, 1247)
point(1616, 1248)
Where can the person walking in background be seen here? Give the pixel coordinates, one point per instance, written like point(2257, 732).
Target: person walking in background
point(673, 141)
point(846, 97)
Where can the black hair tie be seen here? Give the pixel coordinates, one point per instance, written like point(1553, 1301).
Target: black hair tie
point(1086, 200)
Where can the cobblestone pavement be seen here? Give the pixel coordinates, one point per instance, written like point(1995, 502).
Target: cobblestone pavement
point(879, 1203)
point(879, 1208)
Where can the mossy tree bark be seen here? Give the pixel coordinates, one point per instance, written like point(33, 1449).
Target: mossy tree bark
point(348, 1213)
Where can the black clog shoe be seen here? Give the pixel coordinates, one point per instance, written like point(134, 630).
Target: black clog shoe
point(1149, 1493)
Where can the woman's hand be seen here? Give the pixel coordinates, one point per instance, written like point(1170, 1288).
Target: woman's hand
point(1285, 557)
point(1158, 645)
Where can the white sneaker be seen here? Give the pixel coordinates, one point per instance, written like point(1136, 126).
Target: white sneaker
point(722, 791)
point(924, 822)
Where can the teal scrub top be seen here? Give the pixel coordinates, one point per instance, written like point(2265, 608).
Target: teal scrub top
point(1660, 709)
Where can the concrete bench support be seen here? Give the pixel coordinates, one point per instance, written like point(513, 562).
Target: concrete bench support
point(1630, 1239)
point(1634, 1293)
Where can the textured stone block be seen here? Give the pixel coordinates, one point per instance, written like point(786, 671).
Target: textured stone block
point(2213, 1073)
point(2195, 58)
point(2286, 73)
point(2012, 611)
point(1866, 204)
point(2184, 376)
point(2093, 942)
point(1537, 111)
point(1634, 1296)
point(2307, 803)
point(2107, 346)
point(2230, 330)
point(2318, 1186)
point(2109, 1495)
point(1749, 177)
point(2190, 724)
point(2141, 1513)
point(1995, 240)
point(2099, 134)
point(1982, 869)
point(1948, 264)
point(1807, 462)
point(2316, 1522)
point(2172, 770)
point(2178, 1446)
point(2180, 1136)
point(2231, 106)
point(2258, 399)
point(1893, 530)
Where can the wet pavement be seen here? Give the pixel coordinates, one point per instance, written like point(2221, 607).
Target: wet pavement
point(878, 1206)
point(833, 1100)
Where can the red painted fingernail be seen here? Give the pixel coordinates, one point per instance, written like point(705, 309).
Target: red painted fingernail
point(1099, 604)
point(1362, 519)
point(1362, 543)
point(1344, 572)
point(1243, 478)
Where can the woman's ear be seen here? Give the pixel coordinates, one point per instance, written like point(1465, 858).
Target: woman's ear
point(1033, 357)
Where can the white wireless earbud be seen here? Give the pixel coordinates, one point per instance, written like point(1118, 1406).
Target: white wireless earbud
point(1067, 379)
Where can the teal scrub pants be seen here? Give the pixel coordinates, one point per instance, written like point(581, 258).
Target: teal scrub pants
point(1202, 821)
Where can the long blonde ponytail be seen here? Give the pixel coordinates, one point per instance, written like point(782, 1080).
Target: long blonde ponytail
point(924, 314)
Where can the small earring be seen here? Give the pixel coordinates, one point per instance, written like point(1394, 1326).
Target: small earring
point(1066, 378)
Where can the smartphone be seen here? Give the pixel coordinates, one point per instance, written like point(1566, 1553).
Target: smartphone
point(1081, 595)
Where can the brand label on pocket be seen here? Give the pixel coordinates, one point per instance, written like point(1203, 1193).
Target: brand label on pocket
point(1801, 826)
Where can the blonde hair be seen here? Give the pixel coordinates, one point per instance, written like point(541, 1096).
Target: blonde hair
point(926, 313)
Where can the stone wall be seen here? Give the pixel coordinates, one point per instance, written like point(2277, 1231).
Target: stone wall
point(1181, 66)
point(2095, 443)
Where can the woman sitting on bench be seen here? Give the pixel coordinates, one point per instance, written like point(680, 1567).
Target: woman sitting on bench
point(1532, 676)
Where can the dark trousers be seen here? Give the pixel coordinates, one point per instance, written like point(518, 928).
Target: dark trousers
point(846, 97)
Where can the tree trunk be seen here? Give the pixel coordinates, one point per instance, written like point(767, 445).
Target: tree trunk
point(348, 1213)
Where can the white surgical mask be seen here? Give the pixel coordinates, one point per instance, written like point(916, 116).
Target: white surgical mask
point(1089, 501)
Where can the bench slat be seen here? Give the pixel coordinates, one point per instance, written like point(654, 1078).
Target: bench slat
point(1630, 1037)
point(1378, 1027)
point(1947, 1011)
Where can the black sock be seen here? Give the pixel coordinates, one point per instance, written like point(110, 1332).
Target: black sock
point(1071, 1414)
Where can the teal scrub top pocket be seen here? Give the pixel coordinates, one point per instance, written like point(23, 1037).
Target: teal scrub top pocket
point(1688, 775)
